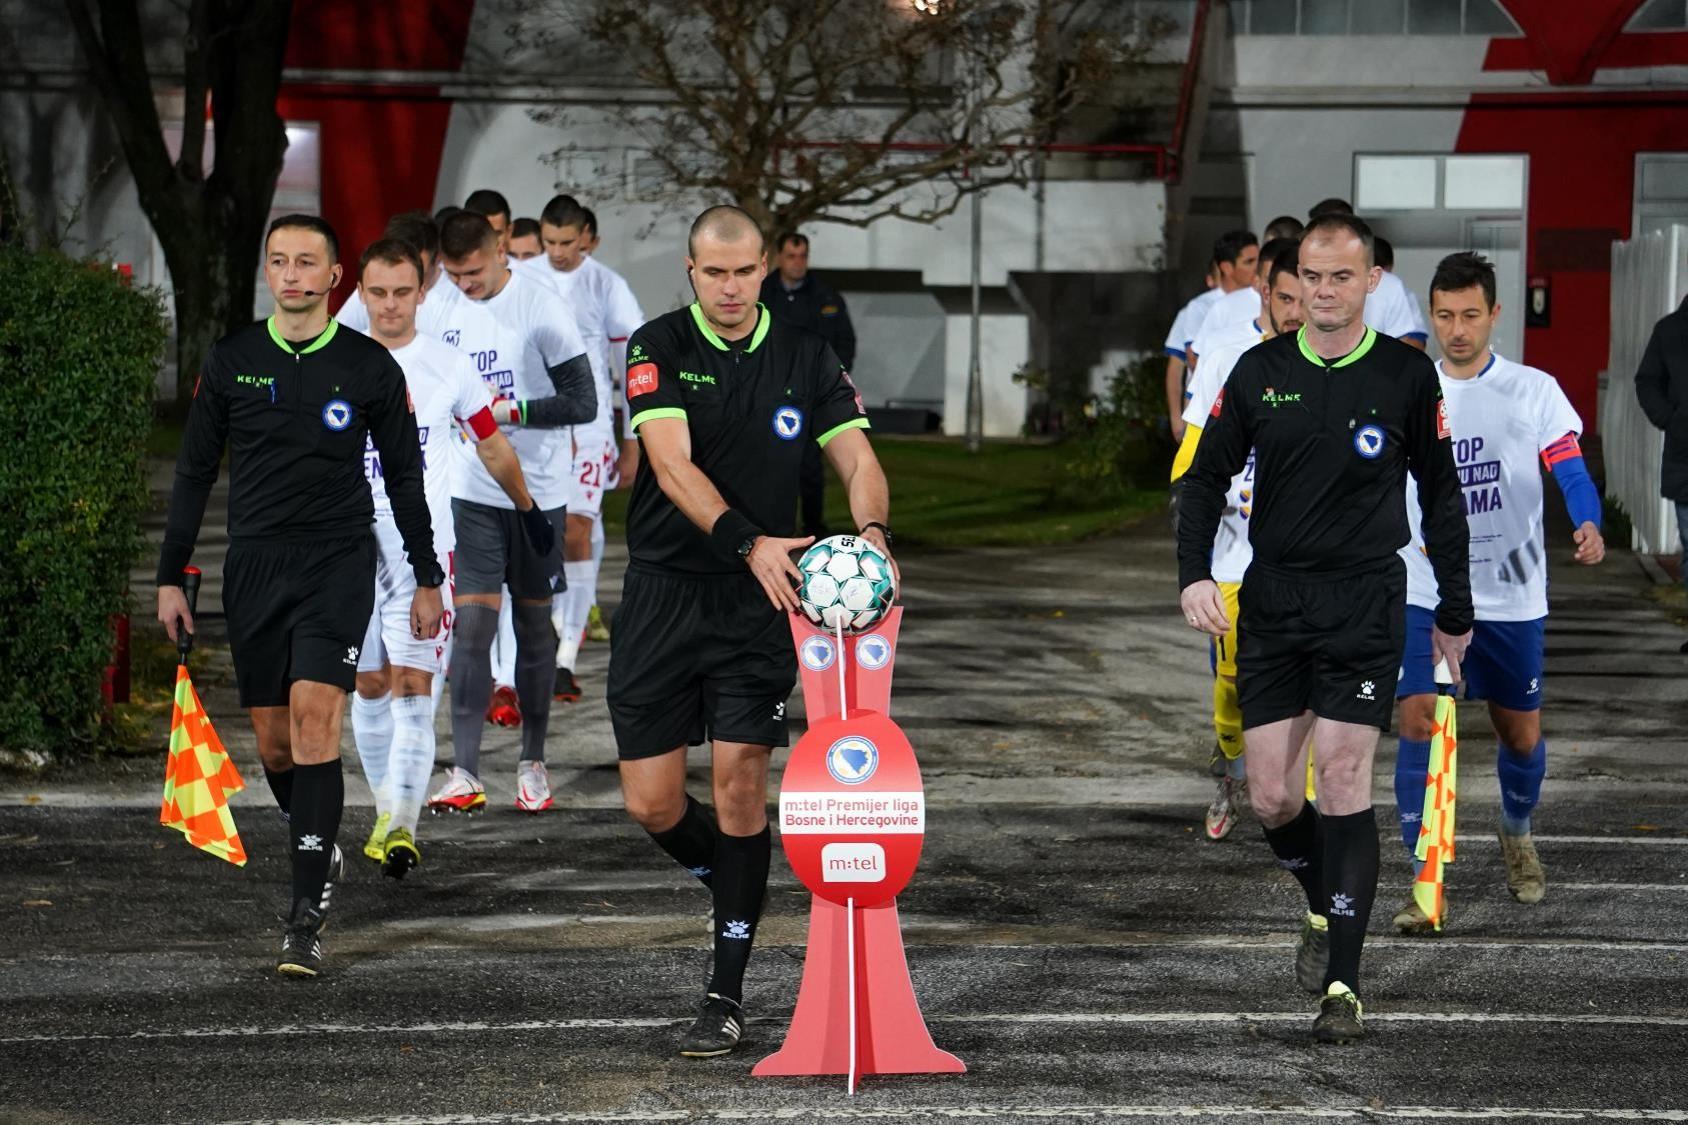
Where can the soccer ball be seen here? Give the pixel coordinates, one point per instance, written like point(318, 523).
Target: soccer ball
point(846, 581)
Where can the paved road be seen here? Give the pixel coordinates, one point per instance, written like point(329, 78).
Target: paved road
point(1070, 934)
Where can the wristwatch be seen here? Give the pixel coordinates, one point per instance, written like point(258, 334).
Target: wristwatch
point(432, 579)
point(883, 530)
point(747, 546)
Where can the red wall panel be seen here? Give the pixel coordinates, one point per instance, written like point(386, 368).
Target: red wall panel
point(1582, 177)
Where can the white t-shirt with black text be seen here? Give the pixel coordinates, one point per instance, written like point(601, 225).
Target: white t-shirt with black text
point(537, 332)
point(445, 394)
point(1502, 419)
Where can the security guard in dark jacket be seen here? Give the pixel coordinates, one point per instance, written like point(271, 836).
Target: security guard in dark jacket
point(796, 296)
point(1661, 383)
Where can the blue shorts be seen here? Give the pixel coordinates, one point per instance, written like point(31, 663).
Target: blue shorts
point(1503, 664)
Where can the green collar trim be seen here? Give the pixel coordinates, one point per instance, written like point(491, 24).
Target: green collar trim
point(763, 322)
point(1354, 356)
point(315, 345)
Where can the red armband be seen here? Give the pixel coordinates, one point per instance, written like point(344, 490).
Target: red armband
point(1562, 450)
point(481, 423)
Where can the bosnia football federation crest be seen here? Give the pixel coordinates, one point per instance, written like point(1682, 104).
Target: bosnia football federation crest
point(816, 653)
point(1368, 442)
point(337, 414)
point(873, 652)
point(788, 422)
point(852, 760)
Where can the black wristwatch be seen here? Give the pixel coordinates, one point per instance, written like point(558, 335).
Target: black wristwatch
point(432, 579)
point(747, 546)
point(883, 530)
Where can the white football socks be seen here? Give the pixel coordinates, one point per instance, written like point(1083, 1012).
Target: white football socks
point(577, 607)
point(372, 732)
point(413, 758)
point(504, 647)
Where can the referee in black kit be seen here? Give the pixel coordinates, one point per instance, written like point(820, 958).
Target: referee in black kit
point(292, 398)
point(1337, 416)
point(723, 398)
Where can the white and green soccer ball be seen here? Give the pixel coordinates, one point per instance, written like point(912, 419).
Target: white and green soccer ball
point(846, 581)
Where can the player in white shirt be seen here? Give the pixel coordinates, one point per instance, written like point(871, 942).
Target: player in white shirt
point(1177, 349)
point(393, 710)
point(588, 285)
point(523, 241)
point(445, 313)
point(1506, 418)
point(553, 389)
point(448, 315)
point(1231, 319)
point(1236, 255)
point(1392, 309)
point(1231, 551)
point(624, 309)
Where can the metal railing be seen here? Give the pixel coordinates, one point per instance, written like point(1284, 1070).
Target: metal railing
point(1649, 276)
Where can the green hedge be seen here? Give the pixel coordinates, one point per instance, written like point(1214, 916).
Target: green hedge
point(79, 351)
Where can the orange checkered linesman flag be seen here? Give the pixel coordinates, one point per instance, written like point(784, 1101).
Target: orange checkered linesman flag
point(199, 777)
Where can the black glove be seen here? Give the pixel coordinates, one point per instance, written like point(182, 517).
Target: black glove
point(541, 536)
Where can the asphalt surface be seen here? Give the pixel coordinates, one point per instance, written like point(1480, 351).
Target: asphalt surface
point(1070, 934)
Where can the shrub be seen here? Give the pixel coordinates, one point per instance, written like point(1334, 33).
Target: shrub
point(1123, 442)
point(79, 351)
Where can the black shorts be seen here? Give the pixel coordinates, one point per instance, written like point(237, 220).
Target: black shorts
point(493, 552)
point(1332, 647)
point(696, 658)
point(297, 611)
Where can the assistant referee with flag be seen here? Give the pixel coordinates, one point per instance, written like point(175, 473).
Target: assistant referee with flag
point(293, 398)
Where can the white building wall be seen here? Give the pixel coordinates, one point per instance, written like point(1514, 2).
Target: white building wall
point(1004, 343)
point(1100, 226)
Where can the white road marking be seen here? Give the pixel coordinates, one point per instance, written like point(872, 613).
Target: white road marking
point(460, 1027)
point(1619, 886)
point(1643, 841)
point(1000, 1112)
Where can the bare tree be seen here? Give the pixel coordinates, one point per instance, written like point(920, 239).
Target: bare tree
point(845, 111)
point(210, 225)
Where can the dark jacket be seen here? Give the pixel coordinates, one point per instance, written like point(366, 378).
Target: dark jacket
point(814, 305)
point(1661, 383)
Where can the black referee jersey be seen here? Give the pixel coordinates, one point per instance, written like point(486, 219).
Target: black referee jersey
point(294, 418)
point(1333, 442)
point(751, 405)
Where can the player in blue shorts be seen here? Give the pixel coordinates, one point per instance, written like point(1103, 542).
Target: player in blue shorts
point(1503, 416)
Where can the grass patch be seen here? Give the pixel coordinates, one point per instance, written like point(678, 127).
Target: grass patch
point(1010, 493)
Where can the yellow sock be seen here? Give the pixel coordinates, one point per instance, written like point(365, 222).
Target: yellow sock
point(1312, 793)
point(1227, 718)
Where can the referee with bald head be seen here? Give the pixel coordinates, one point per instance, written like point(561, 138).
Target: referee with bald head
point(723, 399)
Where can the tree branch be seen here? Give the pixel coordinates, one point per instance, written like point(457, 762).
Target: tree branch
point(116, 55)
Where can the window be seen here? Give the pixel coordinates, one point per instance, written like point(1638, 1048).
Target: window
point(1434, 17)
point(1324, 17)
point(1451, 183)
point(1394, 183)
point(1660, 15)
point(1380, 17)
point(1270, 17)
point(1486, 17)
point(1483, 183)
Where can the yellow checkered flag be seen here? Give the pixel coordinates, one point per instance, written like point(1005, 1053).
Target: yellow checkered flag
point(1436, 831)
